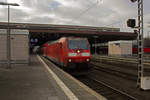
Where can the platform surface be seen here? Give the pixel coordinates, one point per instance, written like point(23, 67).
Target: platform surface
point(23, 82)
point(33, 82)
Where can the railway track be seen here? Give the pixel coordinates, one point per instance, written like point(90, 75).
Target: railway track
point(119, 72)
point(131, 60)
point(122, 69)
point(106, 90)
point(117, 88)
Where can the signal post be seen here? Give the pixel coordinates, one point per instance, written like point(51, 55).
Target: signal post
point(143, 82)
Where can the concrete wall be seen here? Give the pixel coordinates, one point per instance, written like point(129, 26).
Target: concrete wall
point(120, 48)
point(126, 48)
point(19, 46)
point(114, 49)
point(3, 48)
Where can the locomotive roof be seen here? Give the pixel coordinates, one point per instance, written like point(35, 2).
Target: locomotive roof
point(76, 38)
point(51, 42)
point(70, 38)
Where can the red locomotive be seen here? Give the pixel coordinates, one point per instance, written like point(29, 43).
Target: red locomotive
point(43, 49)
point(69, 52)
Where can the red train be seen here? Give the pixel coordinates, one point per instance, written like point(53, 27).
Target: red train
point(69, 52)
point(103, 48)
point(145, 50)
point(146, 44)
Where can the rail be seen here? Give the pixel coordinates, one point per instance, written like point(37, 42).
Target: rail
point(106, 90)
point(129, 59)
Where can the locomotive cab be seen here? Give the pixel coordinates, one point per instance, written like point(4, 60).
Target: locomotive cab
point(78, 53)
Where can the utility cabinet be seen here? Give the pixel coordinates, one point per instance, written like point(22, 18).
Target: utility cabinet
point(145, 83)
point(19, 45)
point(120, 48)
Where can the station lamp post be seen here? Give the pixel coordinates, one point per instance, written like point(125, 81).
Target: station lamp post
point(8, 31)
point(131, 23)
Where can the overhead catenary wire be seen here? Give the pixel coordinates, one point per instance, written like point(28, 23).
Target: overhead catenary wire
point(86, 10)
point(124, 19)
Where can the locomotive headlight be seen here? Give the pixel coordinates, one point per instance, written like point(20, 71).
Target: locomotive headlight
point(72, 54)
point(85, 54)
point(78, 51)
point(69, 60)
point(87, 60)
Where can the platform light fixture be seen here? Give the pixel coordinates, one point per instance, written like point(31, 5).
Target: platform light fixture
point(8, 31)
point(11, 4)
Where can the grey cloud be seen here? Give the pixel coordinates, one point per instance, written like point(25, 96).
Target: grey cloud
point(42, 6)
point(106, 13)
point(18, 15)
point(41, 20)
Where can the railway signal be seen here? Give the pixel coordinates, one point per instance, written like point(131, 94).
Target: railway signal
point(131, 23)
point(133, 0)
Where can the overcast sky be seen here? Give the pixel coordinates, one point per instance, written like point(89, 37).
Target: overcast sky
point(102, 13)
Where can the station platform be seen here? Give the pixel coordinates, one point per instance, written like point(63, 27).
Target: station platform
point(42, 80)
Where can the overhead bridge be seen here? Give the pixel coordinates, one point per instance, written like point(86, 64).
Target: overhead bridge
point(46, 32)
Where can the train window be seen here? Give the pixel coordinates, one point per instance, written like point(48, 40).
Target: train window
point(77, 44)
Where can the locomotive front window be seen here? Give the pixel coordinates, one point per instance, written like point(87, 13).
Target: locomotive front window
point(77, 44)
